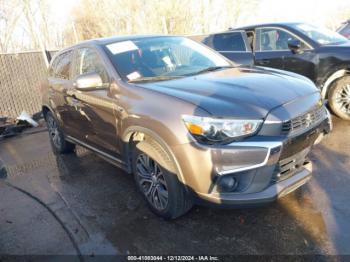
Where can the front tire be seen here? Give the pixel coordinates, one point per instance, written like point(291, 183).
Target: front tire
point(157, 181)
point(339, 98)
point(57, 140)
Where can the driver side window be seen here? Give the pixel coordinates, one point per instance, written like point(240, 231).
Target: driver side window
point(88, 61)
point(272, 39)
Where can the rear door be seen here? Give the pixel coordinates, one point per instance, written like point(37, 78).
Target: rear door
point(233, 44)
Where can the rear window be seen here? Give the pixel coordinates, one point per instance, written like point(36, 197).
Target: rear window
point(229, 42)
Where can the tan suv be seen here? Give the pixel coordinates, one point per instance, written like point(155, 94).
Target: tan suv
point(188, 123)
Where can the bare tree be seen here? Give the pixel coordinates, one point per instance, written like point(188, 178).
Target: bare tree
point(31, 24)
point(9, 16)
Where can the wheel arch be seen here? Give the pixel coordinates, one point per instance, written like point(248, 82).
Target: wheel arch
point(138, 133)
point(45, 109)
point(332, 78)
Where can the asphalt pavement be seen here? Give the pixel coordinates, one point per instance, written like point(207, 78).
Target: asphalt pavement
point(80, 204)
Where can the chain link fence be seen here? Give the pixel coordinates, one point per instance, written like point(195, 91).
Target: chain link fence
point(21, 75)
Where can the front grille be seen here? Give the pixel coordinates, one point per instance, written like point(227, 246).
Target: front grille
point(302, 122)
point(289, 166)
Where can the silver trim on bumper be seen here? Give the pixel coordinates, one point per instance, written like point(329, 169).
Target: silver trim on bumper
point(270, 194)
point(262, 144)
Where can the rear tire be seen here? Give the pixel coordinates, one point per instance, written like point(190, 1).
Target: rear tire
point(57, 140)
point(339, 98)
point(156, 178)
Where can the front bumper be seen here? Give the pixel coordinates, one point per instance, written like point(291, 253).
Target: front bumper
point(268, 195)
point(264, 168)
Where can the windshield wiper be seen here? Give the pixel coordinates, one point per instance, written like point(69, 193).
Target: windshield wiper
point(153, 79)
point(164, 78)
point(209, 69)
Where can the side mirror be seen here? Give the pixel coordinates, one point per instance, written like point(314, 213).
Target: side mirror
point(295, 46)
point(88, 81)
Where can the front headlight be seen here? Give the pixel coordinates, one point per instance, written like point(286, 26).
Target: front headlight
point(217, 130)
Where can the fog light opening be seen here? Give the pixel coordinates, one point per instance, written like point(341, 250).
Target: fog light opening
point(228, 184)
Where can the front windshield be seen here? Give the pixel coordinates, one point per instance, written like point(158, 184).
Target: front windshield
point(162, 57)
point(322, 36)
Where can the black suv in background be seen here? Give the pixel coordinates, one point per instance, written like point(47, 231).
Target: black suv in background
point(319, 54)
point(344, 29)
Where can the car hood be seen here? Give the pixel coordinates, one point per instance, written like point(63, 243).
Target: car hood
point(237, 92)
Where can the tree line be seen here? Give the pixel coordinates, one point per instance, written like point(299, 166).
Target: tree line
point(33, 24)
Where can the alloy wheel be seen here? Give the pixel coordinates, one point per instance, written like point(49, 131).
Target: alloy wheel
point(342, 99)
point(152, 182)
point(53, 131)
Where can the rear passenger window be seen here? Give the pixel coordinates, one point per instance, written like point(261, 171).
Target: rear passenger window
point(229, 42)
point(61, 65)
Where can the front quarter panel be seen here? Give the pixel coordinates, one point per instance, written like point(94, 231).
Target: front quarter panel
point(157, 115)
point(160, 113)
point(331, 60)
